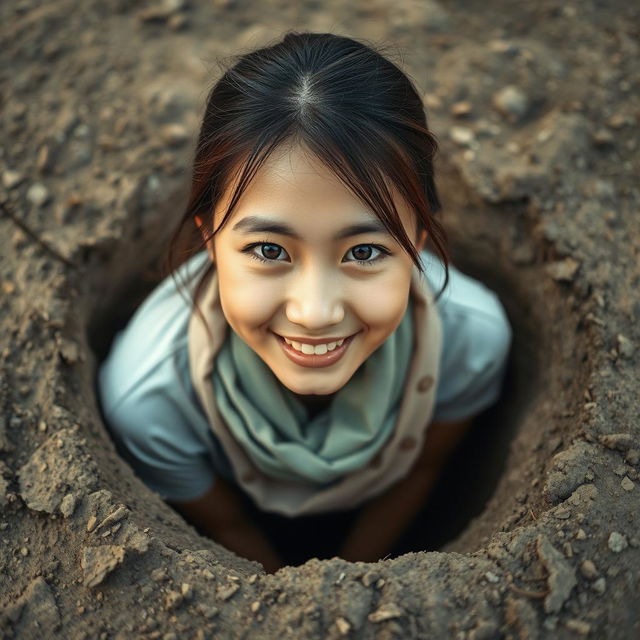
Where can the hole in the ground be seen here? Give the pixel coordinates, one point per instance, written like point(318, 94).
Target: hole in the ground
point(473, 472)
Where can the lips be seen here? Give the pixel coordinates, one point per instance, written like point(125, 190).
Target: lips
point(314, 360)
point(312, 341)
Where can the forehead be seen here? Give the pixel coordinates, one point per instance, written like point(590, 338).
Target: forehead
point(295, 186)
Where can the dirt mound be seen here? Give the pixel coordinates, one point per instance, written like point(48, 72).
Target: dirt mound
point(539, 129)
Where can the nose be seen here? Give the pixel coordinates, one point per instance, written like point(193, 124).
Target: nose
point(315, 300)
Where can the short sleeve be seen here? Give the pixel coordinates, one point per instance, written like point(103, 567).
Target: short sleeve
point(149, 404)
point(163, 451)
point(473, 361)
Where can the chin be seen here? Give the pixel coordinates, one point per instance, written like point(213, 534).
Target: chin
point(310, 391)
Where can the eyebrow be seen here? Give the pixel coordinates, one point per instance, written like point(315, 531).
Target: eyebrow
point(255, 224)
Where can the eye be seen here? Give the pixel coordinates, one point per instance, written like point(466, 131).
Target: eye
point(268, 250)
point(362, 253)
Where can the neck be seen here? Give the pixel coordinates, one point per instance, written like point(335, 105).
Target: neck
point(313, 403)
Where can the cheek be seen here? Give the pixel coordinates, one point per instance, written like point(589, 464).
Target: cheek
point(245, 301)
point(382, 307)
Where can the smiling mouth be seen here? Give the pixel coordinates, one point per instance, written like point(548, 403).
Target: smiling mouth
point(324, 358)
point(313, 341)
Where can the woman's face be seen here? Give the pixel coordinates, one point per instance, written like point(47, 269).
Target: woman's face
point(288, 267)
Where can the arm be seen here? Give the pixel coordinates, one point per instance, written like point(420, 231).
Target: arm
point(385, 518)
point(219, 515)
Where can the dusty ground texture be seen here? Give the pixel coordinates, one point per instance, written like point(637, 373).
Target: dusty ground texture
point(537, 115)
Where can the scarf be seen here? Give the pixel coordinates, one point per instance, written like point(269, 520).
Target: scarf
point(353, 449)
point(273, 427)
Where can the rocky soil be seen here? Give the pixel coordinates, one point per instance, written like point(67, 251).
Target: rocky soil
point(536, 109)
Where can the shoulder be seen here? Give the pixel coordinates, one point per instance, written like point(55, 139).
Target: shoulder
point(464, 295)
point(145, 354)
point(477, 336)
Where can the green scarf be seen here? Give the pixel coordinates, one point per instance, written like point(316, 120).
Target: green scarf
point(273, 427)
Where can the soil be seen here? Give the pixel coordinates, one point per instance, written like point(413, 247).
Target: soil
point(534, 533)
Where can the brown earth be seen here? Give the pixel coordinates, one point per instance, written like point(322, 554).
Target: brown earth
point(536, 108)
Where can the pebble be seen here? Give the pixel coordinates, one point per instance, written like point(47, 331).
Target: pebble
point(617, 121)
point(579, 626)
point(617, 441)
point(617, 542)
point(563, 270)
point(172, 600)
point(369, 578)
point(207, 610)
point(504, 47)
point(24, 551)
point(462, 135)
point(512, 103)
point(174, 134)
point(632, 456)
point(600, 585)
point(589, 569)
point(8, 287)
point(385, 612)
point(11, 179)
point(117, 515)
point(627, 484)
point(561, 579)
point(43, 161)
point(97, 562)
point(432, 101)
point(603, 138)
point(158, 575)
point(343, 625)
point(224, 592)
point(624, 346)
point(19, 239)
point(68, 505)
point(461, 109)
point(491, 577)
point(38, 194)
point(177, 21)
point(160, 12)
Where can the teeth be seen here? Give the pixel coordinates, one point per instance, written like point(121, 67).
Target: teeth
point(318, 349)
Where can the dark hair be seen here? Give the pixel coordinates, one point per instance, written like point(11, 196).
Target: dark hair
point(353, 108)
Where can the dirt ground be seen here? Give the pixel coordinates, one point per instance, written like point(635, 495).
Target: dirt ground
point(536, 109)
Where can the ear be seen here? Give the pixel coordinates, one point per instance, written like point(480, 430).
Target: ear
point(198, 221)
point(421, 240)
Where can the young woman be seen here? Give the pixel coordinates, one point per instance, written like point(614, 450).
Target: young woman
point(311, 367)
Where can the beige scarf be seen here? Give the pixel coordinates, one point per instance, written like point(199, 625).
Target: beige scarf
point(391, 463)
